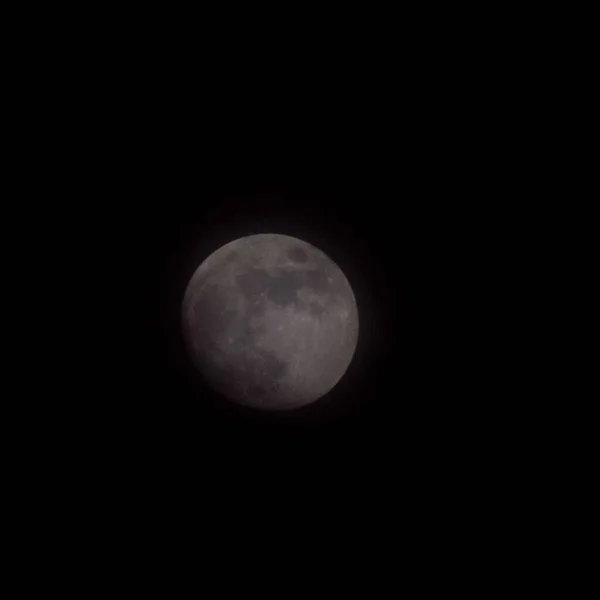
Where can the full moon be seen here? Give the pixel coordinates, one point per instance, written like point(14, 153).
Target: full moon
point(270, 321)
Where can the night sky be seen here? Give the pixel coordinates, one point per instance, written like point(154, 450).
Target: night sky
point(394, 208)
point(399, 404)
point(397, 166)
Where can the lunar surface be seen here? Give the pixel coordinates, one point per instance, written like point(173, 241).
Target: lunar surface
point(270, 321)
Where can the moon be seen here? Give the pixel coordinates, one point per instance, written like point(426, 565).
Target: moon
point(270, 321)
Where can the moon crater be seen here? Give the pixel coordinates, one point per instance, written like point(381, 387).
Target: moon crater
point(298, 255)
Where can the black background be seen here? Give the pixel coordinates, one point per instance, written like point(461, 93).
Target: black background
point(393, 203)
point(393, 191)
point(391, 220)
point(392, 151)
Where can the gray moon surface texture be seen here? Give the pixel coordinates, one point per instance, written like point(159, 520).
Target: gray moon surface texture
point(270, 321)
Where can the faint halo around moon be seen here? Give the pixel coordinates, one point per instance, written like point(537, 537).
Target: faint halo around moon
point(270, 321)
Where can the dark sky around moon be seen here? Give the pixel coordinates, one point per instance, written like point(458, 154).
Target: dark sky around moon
point(383, 247)
point(395, 245)
point(394, 223)
point(399, 414)
point(399, 178)
point(398, 428)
